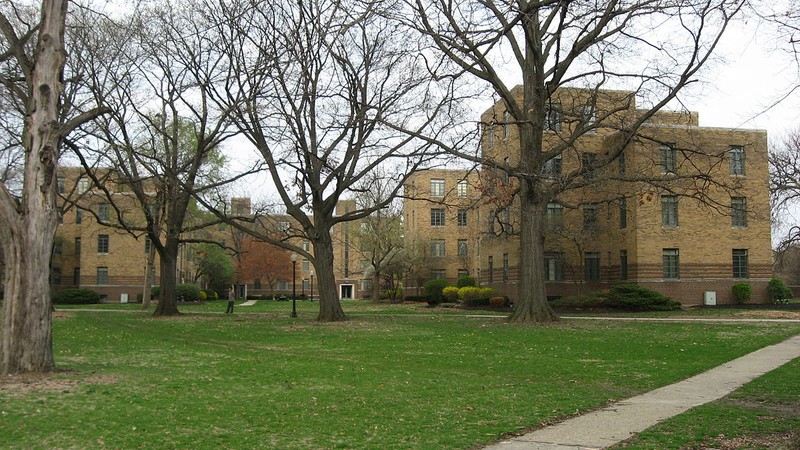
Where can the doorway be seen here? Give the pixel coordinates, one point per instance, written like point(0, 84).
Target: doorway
point(346, 291)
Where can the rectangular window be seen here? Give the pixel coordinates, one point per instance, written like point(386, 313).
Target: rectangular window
point(437, 188)
point(668, 154)
point(307, 246)
point(147, 244)
point(621, 163)
point(738, 212)
point(462, 217)
point(623, 264)
point(492, 220)
point(102, 243)
point(505, 267)
point(554, 216)
point(553, 117)
point(623, 213)
point(305, 265)
point(736, 159)
point(591, 264)
point(463, 273)
point(437, 247)
point(78, 216)
point(104, 212)
point(77, 247)
point(490, 276)
point(588, 118)
point(257, 284)
point(56, 276)
point(438, 274)
point(740, 263)
point(461, 188)
point(506, 123)
point(488, 129)
point(590, 214)
point(102, 275)
point(76, 276)
point(60, 185)
point(552, 167)
point(462, 248)
point(669, 210)
point(58, 247)
point(437, 217)
point(589, 164)
point(554, 266)
point(282, 285)
point(83, 185)
point(671, 263)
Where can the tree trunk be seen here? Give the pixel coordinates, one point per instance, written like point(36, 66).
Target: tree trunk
point(532, 305)
point(149, 270)
point(29, 228)
point(168, 257)
point(330, 308)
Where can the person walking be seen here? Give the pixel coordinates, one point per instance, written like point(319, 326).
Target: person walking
point(231, 297)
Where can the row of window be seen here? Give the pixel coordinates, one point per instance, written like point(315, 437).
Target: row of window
point(554, 265)
point(438, 188)
point(438, 248)
point(438, 217)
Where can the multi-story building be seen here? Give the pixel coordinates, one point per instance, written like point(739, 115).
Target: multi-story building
point(702, 232)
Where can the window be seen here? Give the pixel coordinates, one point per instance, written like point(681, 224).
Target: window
point(257, 283)
point(489, 130)
point(462, 248)
point(76, 276)
point(736, 159)
point(77, 247)
point(439, 274)
point(306, 245)
point(588, 164)
point(590, 214)
point(623, 264)
point(588, 118)
point(668, 154)
point(669, 210)
point(739, 212)
point(492, 219)
point(621, 163)
point(83, 185)
point(491, 269)
point(507, 167)
point(102, 275)
point(461, 188)
point(506, 120)
point(623, 213)
point(463, 273)
point(60, 185)
point(437, 217)
point(78, 216)
point(553, 117)
point(552, 167)
point(555, 216)
point(437, 247)
point(437, 188)
point(305, 265)
point(740, 266)
point(553, 266)
point(591, 264)
point(462, 217)
point(282, 285)
point(58, 247)
point(55, 276)
point(104, 212)
point(147, 244)
point(670, 262)
point(102, 243)
point(505, 267)
point(284, 226)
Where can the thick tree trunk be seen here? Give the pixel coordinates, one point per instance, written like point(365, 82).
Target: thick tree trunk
point(532, 305)
point(29, 228)
point(149, 270)
point(330, 308)
point(167, 302)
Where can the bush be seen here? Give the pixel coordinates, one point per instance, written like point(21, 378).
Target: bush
point(211, 294)
point(433, 290)
point(477, 301)
point(742, 293)
point(466, 281)
point(187, 292)
point(450, 294)
point(76, 297)
point(629, 297)
point(498, 302)
point(202, 296)
point(154, 291)
point(778, 291)
point(468, 293)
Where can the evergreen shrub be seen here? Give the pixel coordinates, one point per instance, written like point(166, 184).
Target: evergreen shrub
point(187, 292)
point(742, 292)
point(76, 296)
point(466, 281)
point(778, 291)
point(433, 290)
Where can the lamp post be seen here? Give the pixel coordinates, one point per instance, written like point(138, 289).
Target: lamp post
point(312, 284)
point(294, 283)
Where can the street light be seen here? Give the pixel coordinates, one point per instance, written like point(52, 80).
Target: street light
point(312, 285)
point(294, 283)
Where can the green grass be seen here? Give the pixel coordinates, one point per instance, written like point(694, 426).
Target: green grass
point(394, 376)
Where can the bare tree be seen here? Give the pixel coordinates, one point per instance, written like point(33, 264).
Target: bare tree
point(784, 184)
point(28, 212)
point(651, 48)
point(329, 91)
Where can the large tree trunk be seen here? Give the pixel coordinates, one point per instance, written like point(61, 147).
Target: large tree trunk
point(149, 270)
point(330, 308)
point(29, 227)
point(532, 305)
point(167, 303)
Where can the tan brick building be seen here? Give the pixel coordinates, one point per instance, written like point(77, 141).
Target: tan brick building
point(660, 235)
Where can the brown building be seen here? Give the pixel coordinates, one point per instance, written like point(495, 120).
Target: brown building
point(663, 235)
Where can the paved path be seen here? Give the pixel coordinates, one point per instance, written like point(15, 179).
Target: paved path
point(248, 303)
point(623, 419)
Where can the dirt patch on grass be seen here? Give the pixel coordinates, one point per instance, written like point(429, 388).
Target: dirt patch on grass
point(24, 384)
point(776, 440)
point(770, 314)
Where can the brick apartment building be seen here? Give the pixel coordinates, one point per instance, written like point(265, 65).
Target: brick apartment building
point(610, 231)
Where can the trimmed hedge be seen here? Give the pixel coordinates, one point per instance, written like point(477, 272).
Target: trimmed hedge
point(433, 290)
point(466, 281)
point(628, 297)
point(742, 292)
point(76, 297)
point(450, 294)
point(187, 292)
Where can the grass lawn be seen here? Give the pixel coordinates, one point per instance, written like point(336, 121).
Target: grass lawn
point(394, 376)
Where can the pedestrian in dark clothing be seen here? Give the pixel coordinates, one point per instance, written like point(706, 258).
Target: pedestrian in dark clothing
point(231, 296)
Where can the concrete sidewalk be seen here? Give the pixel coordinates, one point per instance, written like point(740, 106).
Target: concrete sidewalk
point(622, 420)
